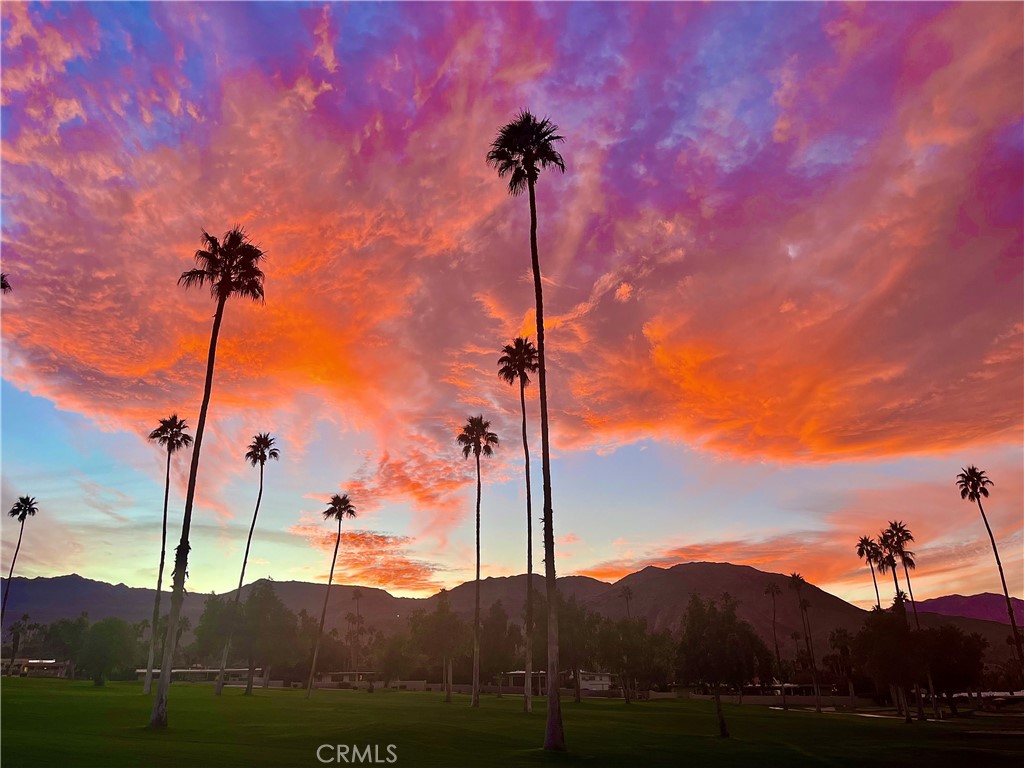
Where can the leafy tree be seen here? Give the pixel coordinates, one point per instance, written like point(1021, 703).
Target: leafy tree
point(261, 450)
point(212, 630)
point(18, 629)
point(65, 639)
point(24, 508)
point(269, 631)
point(476, 438)
point(882, 649)
point(577, 629)
point(230, 268)
point(956, 658)
point(392, 660)
point(868, 551)
point(109, 647)
point(517, 362)
point(973, 485)
point(499, 640)
point(520, 151)
point(718, 648)
point(340, 508)
point(440, 634)
point(171, 435)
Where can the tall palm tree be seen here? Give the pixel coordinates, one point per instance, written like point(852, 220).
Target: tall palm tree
point(229, 268)
point(171, 435)
point(797, 584)
point(517, 362)
point(899, 537)
point(520, 151)
point(973, 484)
point(5, 286)
point(886, 561)
point(261, 450)
point(867, 550)
point(24, 508)
point(340, 508)
point(476, 438)
point(773, 590)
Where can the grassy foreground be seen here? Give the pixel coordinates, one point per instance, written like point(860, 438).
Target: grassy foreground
point(55, 722)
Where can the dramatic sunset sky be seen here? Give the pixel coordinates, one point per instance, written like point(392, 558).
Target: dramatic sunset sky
point(783, 276)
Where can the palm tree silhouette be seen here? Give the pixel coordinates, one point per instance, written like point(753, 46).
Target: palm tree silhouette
point(797, 584)
point(867, 550)
point(340, 508)
point(773, 590)
point(899, 537)
point(261, 450)
point(5, 286)
point(520, 151)
point(973, 484)
point(887, 557)
point(626, 594)
point(171, 435)
point(24, 508)
point(230, 268)
point(476, 438)
point(517, 362)
point(357, 595)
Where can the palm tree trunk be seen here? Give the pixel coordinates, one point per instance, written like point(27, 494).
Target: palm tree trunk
point(158, 717)
point(1002, 578)
point(910, 592)
point(252, 673)
point(233, 616)
point(475, 699)
point(7, 589)
point(448, 680)
point(147, 686)
point(778, 655)
point(323, 613)
point(814, 666)
point(878, 599)
point(554, 731)
point(528, 681)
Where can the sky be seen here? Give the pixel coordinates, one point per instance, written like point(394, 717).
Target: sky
point(782, 280)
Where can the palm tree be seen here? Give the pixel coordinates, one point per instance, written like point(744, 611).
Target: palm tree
point(230, 268)
point(340, 508)
point(520, 151)
point(5, 286)
point(517, 362)
point(973, 483)
point(867, 550)
point(626, 594)
point(476, 438)
point(24, 508)
point(899, 537)
point(773, 590)
point(171, 435)
point(261, 449)
point(797, 584)
point(887, 557)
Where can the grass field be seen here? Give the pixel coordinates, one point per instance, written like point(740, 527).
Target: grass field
point(51, 723)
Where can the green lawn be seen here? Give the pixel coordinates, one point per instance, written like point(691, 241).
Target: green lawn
point(58, 723)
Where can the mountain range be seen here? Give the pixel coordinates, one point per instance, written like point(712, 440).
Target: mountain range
point(658, 594)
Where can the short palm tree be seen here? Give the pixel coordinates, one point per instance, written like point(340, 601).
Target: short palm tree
point(476, 438)
point(261, 450)
point(627, 594)
point(867, 550)
point(340, 508)
point(5, 286)
point(230, 267)
point(518, 360)
point(24, 508)
point(171, 435)
point(520, 151)
point(773, 590)
point(973, 484)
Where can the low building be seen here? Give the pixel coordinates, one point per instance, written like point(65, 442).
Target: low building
point(35, 667)
point(232, 675)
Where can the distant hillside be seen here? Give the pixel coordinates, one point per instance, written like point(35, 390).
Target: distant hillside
point(658, 594)
point(986, 606)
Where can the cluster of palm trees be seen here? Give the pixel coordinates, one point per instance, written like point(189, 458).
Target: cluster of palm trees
point(888, 552)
